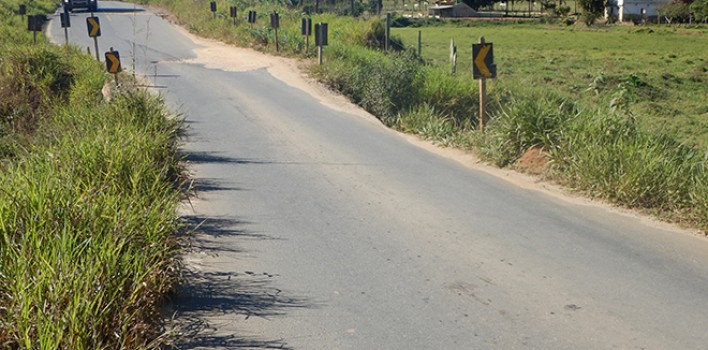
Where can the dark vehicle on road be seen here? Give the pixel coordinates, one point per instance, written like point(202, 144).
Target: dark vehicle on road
point(89, 5)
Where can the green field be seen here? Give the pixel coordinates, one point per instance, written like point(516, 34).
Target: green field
point(516, 8)
point(660, 71)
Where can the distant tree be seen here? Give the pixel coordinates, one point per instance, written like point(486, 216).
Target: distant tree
point(548, 5)
point(563, 11)
point(477, 4)
point(675, 10)
point(592, 10)
point(375, 6)
point(699, 10)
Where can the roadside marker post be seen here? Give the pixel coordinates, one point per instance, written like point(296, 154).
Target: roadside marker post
point(275, 24)
point(233, 10)
point(22, 10)
point(212, 7)
point(94, 30)
point(34, 24)
point(483, 68)
point(113, 63)
point(387, 33)
point(420, 44)
point(65, 23)
point(252, 16)
point(306, 30)
point(320, 39)
point(453, 56)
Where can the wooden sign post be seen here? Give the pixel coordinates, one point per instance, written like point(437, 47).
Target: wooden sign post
point(307, 31)
point(65, 23)
point(233, 11)
point(275, 24)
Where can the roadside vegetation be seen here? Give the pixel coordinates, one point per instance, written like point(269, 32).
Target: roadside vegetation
point(87, 203)
point(658, 74)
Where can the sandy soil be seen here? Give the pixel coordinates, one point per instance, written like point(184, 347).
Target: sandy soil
point(217, 55)
point(290, 71)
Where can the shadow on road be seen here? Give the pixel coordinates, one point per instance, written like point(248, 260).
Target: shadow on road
point(209, 185)
point(201, 185)
point(111, 10)
point(208, 292)
point(212, 157)
point(240, 296)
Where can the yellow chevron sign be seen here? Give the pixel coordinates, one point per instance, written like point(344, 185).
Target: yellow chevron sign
point(113, 62)
point(94, 26)
point(483, 66)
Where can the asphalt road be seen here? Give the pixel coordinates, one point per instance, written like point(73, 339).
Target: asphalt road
point(321, 229)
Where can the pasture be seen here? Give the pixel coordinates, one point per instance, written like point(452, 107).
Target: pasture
point(658, 73)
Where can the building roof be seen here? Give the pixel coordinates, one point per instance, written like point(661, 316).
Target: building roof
point(441, 7)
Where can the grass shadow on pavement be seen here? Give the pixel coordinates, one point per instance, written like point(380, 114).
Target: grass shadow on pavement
point(214, 157)
point(209, 292)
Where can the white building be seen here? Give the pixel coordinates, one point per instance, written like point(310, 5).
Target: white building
point(457, 10)
point(633, 10)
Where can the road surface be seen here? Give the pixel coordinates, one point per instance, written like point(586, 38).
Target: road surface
point(321, 229)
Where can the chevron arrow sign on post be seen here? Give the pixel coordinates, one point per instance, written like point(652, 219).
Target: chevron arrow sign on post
point(483, 66)
point(113, 62)
point(94, 26)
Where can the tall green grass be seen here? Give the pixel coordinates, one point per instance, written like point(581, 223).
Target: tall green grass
point(32, 78)
point(526, 118)
point(87, 224)
point(197, 17)
point(607, 155)
point(603, 152)
point(87, 204)
point(384, 85)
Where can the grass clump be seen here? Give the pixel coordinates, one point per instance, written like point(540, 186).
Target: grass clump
point(454, 95)
point(607, 155)
point(31, 79)
point(525, 120)
point(382, 84)
point(602, 152)
point(87, 232)
point(431, 124)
